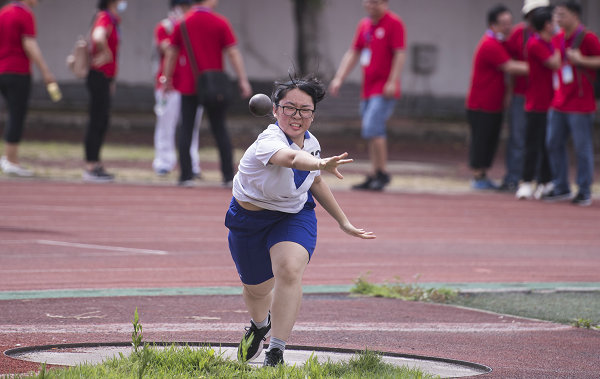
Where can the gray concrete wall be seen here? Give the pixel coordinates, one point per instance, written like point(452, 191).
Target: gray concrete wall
point(266, 37)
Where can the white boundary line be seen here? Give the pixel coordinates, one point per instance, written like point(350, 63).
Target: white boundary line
point(513, 327)
point(102, 247)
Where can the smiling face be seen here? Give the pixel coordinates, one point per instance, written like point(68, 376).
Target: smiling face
point(294, 126)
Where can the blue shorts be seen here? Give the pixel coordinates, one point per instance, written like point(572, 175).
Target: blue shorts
point(375, 111)
point(253, 233)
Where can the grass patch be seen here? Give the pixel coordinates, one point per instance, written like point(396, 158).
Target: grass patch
point(174, 361)
point(401, 290)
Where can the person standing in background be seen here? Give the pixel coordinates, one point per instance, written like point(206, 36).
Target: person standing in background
point(573, 106)
point(18, 48)
point(485, 100)
point(168, 103)
point(211, 37)
point(100, 82)
point(543, 58)
point(515, 146)
point(379, 45)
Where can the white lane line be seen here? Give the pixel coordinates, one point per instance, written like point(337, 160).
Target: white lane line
point(102, 247)
point(513, 327)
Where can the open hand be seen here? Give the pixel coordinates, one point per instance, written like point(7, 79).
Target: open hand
point(360, 233)
point(331, 164)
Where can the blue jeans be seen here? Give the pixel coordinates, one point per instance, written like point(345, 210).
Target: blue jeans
point(515, 147)
point(375, 112)
point(580, 126)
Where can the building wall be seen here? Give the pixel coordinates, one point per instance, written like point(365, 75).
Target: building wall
point(266, 36)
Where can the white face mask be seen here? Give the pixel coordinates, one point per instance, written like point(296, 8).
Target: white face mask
point(121, 6)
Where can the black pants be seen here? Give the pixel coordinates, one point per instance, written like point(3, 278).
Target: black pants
point(98, 86)
point(536, 156)
point(15, 89)
point(216, 117)
point(485, 135)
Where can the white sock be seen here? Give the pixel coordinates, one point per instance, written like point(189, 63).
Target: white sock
point(276, 343)
point(261, 324)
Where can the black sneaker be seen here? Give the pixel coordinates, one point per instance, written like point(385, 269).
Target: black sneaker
point(509, 187)
point(555, 196)
point(259, 335)
point(381, 180)
point(581, 200)
point(364, 185)
point(97, 175)
point(273, 357)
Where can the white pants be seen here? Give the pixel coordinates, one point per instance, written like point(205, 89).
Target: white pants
point(168, 115)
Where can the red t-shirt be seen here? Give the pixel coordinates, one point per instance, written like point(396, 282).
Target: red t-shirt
point(516, 46)
point(210, 34)
point(381, 41)
point(487, 88)
point(111, 23)
point(16, 21)
point(539, 92)
point(163, 32)
point(578, 95)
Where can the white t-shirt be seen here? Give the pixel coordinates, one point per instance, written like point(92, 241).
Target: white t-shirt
point(270, 186)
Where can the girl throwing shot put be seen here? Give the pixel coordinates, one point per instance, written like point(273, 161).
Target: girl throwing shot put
point(271, 218)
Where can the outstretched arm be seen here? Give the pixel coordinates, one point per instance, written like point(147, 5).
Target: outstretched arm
point(301, 160)
point(322, 193)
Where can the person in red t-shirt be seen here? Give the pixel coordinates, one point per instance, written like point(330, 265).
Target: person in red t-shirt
point(100, 82)
point(210, 36)
point(573, 106)
point(18, 48)
point(379, 46)
point(542, 58)
point(485, 101)
point(515, 144)
point(168, 103)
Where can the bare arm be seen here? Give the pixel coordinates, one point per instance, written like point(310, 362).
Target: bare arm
point(348, 62)
point(171, 54)
point(389, 89)
point(515, 67)
point(579, 59)
point(34, 53)
point(554, 61)
point(235, 57)
point(103, 54)
point(301, 160)
point(322, 193)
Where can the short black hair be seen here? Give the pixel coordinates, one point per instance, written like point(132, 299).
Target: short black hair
point(571, 6)
point(495, 12)
point(540, 17)
point(310, 84)
point(103, 4)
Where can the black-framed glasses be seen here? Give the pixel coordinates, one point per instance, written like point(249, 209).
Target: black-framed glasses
point(291, 111)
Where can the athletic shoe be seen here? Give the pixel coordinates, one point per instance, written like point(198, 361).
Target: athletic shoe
point(259, 335)
point(381, 180)
point(273, 357)
point(543, 190)
point(364, 185)
point(162, 172)
point(10, 168)
point(190, 183)
point(555, 196)
point(508, 187)
point(525, 191)
point(97, 175)
point(483, 184)
point(581, 200)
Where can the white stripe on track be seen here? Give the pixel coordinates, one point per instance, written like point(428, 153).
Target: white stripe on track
point(101, 247)
point(512, 327)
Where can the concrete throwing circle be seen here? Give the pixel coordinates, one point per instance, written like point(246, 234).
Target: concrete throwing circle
point(75, 354)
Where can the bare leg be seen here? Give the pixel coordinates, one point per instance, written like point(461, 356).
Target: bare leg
point(11, 151)
point(378, 154)
point(289, 260)
point(258, 299)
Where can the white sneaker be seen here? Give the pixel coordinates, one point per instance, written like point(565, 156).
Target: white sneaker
point(543, 190)
point(525, 191)
point(14, 169)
